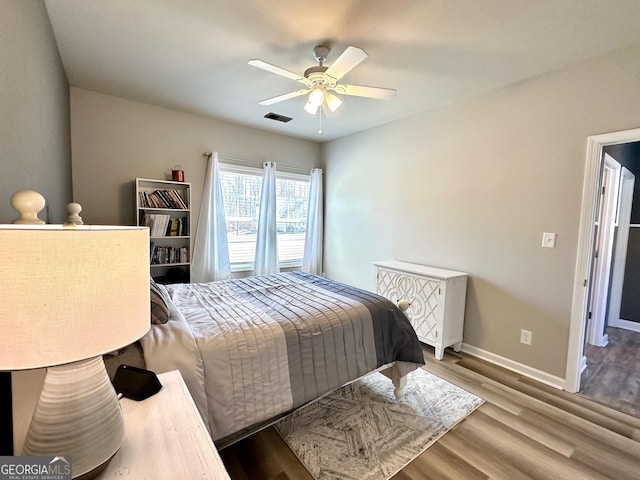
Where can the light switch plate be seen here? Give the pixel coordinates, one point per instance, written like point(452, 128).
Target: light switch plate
point(548, 240)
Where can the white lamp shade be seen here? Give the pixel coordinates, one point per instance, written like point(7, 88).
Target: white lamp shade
point(333, 102)
point(310, 107)
point(71, 293)
point(316, 97)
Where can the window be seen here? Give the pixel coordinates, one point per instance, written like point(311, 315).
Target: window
point(241, 195)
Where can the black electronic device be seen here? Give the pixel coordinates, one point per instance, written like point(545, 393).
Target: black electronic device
point(136, 383)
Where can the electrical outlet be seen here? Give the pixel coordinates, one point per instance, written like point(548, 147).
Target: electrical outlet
point(526, 337)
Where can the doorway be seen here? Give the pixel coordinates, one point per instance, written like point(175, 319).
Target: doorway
point(576, 361)
point(612, 352)
point(613, 372)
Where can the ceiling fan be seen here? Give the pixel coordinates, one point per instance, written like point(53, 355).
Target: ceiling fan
point(321, 82)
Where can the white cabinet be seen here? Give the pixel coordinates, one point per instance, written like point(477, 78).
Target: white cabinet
point(436, 300)
point(164, 206)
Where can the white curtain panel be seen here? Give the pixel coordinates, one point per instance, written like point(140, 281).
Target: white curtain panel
point(266, 258)
point(210, 259)
point(312, 259)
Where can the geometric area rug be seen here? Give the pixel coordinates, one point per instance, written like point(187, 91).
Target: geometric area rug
point(362, 432)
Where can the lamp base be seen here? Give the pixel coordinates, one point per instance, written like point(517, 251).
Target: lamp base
point(77, 415)
point(91, 474)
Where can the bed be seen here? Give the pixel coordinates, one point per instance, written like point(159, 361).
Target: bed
point(251, 350)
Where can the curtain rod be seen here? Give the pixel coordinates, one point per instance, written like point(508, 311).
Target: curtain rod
point(255, 163)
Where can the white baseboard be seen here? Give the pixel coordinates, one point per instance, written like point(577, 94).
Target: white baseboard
point(520, 368)
point(627, 325)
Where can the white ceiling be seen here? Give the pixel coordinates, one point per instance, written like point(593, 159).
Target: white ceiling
point(192, 55)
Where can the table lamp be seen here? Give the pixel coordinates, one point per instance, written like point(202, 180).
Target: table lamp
point(69, 294)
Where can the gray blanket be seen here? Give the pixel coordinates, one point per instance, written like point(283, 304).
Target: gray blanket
point(255, 348)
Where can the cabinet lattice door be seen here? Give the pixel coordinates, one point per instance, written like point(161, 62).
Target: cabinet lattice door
point(422, 295)
point(436, 300)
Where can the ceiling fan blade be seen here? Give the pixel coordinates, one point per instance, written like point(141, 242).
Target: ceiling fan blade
point(362, 91)
point(286, 96)
point(277, 70)
point(351, 57)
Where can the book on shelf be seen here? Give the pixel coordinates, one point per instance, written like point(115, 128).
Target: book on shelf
point(176, 199)
point(163, 225)
point(163, 255)
point(183, 226)
point(173, 227)
point(158, 223)
point(170, 199)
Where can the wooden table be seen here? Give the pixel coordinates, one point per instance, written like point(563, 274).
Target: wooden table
point(165, 438)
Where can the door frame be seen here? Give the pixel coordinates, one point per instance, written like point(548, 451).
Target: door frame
point(584, 257)
point(605, 234)
point(627, 183)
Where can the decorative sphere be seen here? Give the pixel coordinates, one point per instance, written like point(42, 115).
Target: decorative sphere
point(74, 208)
point(403, 304)
point(73, 213)
point(28, 203)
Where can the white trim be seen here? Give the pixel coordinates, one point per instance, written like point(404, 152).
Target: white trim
point(583, 363)
point(239, 162)
point(240, 169)
point(585, 247)
point(298, 177)
point(517, 367)
point(627, 184)
point(601, 279)
point(257, 171)
point(628, 325)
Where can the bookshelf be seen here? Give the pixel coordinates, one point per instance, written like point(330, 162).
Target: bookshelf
point(164, 207)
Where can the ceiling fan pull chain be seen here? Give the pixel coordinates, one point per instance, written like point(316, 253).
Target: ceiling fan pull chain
point(319, 121)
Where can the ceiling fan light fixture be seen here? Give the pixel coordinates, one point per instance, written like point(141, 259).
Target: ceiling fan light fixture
point(316, 97)
point(333, 101)
point(321, 82)
point(310, 107)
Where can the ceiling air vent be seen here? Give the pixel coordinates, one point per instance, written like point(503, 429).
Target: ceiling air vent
point(275, 116)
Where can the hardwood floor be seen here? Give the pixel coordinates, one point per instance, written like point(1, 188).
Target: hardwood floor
point(524, 430)
point(612, 376)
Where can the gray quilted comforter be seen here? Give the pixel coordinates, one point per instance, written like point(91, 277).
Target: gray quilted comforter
point(252, 349)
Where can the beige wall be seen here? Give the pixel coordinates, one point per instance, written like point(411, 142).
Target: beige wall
point(116, 140)
point(472, 187)
point(34, 111)
point(34, 142)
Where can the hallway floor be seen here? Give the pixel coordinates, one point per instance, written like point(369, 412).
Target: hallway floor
point(612, 376)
